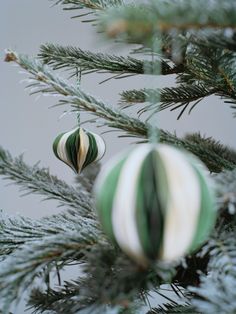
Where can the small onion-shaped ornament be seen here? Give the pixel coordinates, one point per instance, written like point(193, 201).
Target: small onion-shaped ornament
point(155, 202)
point(79, 148)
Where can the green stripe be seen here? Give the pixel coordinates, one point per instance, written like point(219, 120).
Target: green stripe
point(145, 203)
point(207, 213)
point(71, 151)
point(149, 204)
point(105, 197)
point(55, 144)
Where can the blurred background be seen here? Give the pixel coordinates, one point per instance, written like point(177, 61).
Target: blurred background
point(28, 126)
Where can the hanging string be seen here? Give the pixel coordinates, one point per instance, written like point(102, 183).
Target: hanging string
point(78, 118)
point(153, 130)
point(78, 82)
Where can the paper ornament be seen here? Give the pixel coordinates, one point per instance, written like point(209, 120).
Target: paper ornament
point(79, 148)
point(155, 202)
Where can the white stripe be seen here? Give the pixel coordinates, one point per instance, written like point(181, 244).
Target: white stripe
point(183, 206)
point(124, 204)
point(83, 149)
point(100, 145)
point(61, 148)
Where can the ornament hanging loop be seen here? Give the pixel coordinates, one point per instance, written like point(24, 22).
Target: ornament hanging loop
point(78, 81)
point(153, 134)
point(153, 131)
point(78, 118)
point(78, 75)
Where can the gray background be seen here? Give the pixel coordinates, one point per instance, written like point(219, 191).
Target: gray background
point(28, 126)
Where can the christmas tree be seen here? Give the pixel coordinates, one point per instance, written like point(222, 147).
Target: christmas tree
point(160, 218)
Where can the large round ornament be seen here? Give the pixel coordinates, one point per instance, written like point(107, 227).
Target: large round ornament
point(78, 148)
point(155, 202)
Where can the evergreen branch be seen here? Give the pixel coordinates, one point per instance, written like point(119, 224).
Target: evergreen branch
point(93, 6)
point(87, 4)
point(138, 96)
point(216, 40)
point(110, 274)
point(216, 294)
point(217, 291)
point(40, 181)
point(75, 59)
point(222, 250)
point(19, 269)
point(212, 68)
point(108, 285)
point(166, 46)
point(68, 300)
point(167, 96)
point(174, 97)
point(44, 81)
point(139, 21)
point(226, 190)
point(169, 308)
point(16, 231)
point(208, 144)
point(207, 71)
point(62, 300)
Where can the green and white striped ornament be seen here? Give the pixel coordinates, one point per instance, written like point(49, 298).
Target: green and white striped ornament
point(155, 202)
point(79, 148)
